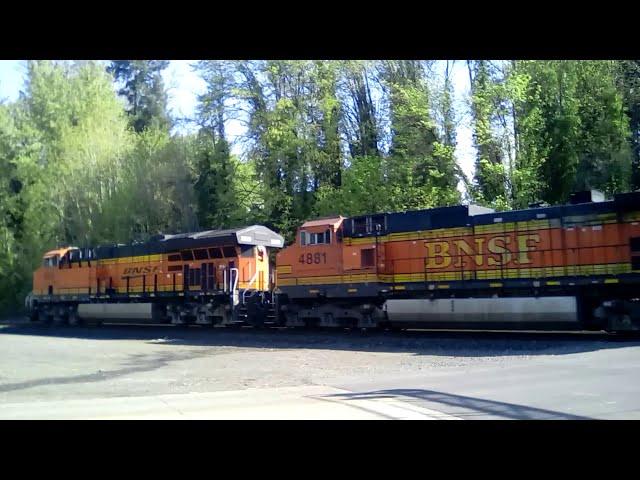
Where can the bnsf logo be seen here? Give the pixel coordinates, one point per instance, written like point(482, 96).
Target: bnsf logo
point(499, 250)
point(139, 270)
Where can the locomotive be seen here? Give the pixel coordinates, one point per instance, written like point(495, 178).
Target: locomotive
point(210, 277)
point(563, 267)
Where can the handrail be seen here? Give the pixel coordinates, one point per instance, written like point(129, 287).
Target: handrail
point(235, 284)
point(244, 293)
point(235, 279)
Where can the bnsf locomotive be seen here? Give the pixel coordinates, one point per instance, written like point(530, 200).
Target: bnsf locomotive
point(568, 267)
point(211, 277)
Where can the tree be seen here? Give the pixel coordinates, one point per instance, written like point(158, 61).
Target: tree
point(629, 84)
point(217, 203)
point(215, 192)
point(359, 113)
point(10, 210)
point(144, 92)
point(293, 118)
point(521, 108)
point(490, 176)
point(573, 119)
point(363, 190)
point(61, 144)
point(420, 166)
point(605, 150)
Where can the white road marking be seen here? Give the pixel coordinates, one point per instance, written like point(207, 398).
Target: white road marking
point(392, 408)
point(291, 403)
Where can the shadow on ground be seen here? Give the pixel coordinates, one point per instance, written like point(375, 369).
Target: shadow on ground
point(460, 406)
point(136, 364)
point(444, 343)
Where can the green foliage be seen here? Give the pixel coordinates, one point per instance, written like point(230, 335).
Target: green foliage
point(490, 175)
point(294, 128)
point(421, 167)
point(10, 215)
point(57, 149)
point(144, 92)
point(544, 129)
point(363, 190)
point(628, 80)
point(574, 123)
point(157, 193)
point(361, 123)
point(215, 189)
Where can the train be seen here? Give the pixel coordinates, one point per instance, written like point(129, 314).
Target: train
point(565, 267)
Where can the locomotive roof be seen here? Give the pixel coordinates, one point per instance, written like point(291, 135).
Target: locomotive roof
point(60, 252)
point(253, 235)
point(256, 235)
point(322, 221)
point(583, 204)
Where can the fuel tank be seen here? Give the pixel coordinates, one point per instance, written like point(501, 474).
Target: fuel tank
point(133, 312)
point(484, 310)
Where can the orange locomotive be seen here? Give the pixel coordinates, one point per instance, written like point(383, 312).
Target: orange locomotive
point(573, 266)
point(569, 267)
point(211, 277)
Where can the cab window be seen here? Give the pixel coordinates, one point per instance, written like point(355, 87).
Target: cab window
point(229, 252)
point(51, 261)
point(321, 238)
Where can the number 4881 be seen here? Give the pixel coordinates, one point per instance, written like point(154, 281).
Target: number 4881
point(311, 258)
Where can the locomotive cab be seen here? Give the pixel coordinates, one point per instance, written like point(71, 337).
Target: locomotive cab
point(51, 259)
point(54, 275)
point(317, 251)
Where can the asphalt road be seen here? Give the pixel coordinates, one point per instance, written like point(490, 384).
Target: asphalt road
point(166, 372)
point(597, 385)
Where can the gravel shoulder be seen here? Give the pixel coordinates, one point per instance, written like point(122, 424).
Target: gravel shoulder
point(62, 363)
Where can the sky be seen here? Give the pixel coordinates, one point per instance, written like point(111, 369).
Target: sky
point(183, 87)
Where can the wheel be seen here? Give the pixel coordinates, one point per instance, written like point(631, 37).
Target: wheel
point(74, 319)
point(46, 318)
